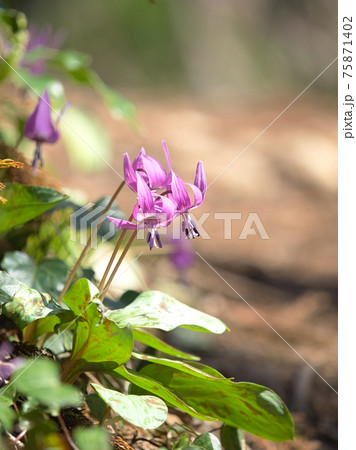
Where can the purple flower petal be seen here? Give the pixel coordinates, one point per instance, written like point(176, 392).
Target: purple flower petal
point(200, 178)
point(150, 169)
point(39, 126)
point(166, 152)
point(6, 349)
point(125, 224)
point(198, 196)
point(179, 192)
point(144, 196)
point(166, 210)
point(129, 173)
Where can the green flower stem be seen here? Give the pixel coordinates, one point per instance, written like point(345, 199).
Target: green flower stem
point(116, 249)
point(69, 374)
point(86, 248)
point(116, 268)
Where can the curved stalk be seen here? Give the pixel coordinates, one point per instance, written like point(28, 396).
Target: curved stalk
point(116, 268)
point(86, 248)
point(114, 253)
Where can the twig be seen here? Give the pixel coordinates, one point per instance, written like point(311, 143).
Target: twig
point(146, 440)
point(66, 433)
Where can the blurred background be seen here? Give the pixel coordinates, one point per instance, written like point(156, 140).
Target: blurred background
point(209, 77)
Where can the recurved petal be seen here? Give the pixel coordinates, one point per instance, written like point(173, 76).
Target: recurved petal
point(198, 195)
point(200, 178)
point(129, 173)
point(166, 210)
point(179, 192)
point(125, 224)
point(166, 152)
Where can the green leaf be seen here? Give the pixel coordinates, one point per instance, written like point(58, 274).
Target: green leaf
point(145, 411)
point(179, 365)
point(7, 414)
point(248, 406)
point(22, 304)
point(39, 380)
point(232, 438)
point(59, 343)
point(207, 441)
point(24, 203)
point(71, 61)
point(38, 84)
point(119, 106)
point(96, 405)
point(48, 275)
point(92, 438)
point(55, 323)
point(154, 309)
point(77, 66)
point(182, 442)
point(91, 154)
point(158, 344)
point(156, 388)
point(97, 346)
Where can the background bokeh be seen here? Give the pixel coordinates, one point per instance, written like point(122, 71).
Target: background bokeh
point(209, 77)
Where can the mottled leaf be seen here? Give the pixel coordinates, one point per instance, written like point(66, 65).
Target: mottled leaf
point(158, 344)
point(49, 275)
point(154, 309)
point(248, 406)
point(150, 385)
point(22, 304)
point(98, 346)
point(25, 203)
point(144, 411)
point(179, 365)
point(207, 441)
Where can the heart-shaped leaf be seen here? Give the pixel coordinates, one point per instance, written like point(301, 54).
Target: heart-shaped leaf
point(154, 309)
point(25, 203)
point(145, 411)
point(99, 345)
point(22, 304)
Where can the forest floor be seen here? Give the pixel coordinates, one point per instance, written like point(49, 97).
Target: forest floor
point(277, 295)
